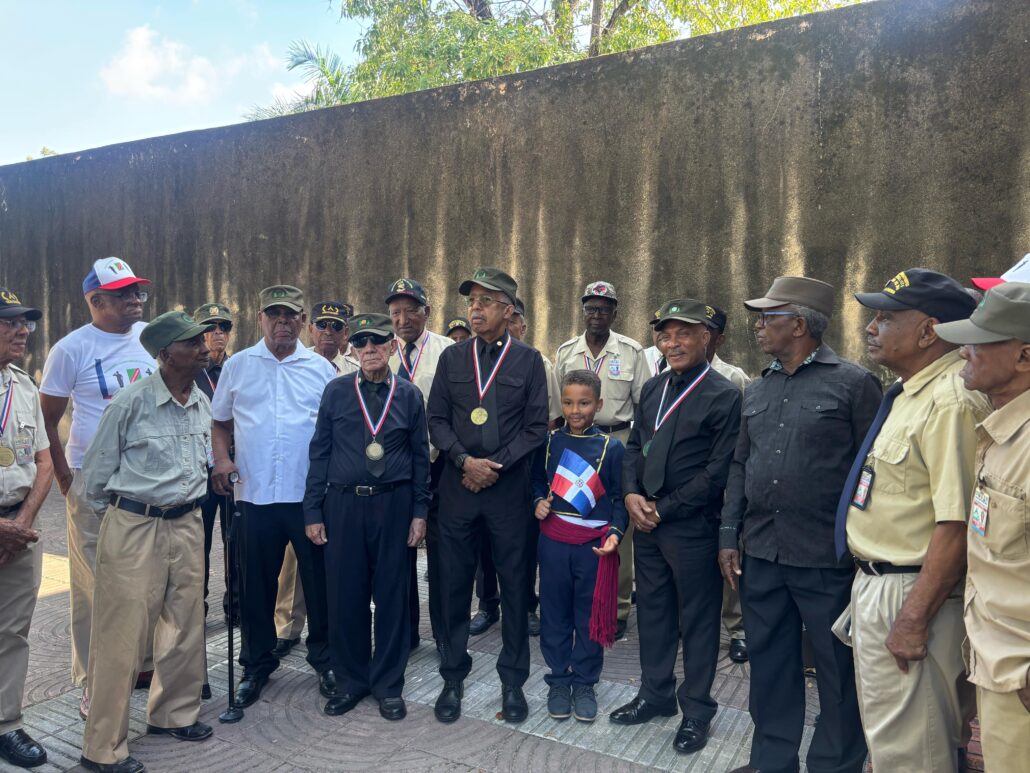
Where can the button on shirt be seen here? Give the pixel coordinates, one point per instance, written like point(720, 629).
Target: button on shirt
point(923, 466)
point(149, 447)
point(337, 451)
point(273, 405)
point(998, 576)
point(26, 421)
point(621, 366)
point(798, 438)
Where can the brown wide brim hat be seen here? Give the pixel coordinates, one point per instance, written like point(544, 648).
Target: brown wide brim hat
point(799, 290)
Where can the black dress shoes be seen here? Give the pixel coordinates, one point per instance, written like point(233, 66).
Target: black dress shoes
point(128, 765)
point(738, 650)
point(638, 711)
point(205, 692)
point(481, 621)
point(533, 624)
point(249, 689)
point(198, 731)
point(19, 749)
point(513, 704)
point(620, 630)
point(448, 705)
point(283, 646)
point(392, 708)
point(692, 736)
point(327, 683)
point(341, 704)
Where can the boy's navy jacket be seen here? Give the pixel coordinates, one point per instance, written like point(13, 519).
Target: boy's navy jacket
point(604, 453)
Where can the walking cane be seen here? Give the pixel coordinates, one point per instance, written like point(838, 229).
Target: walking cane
point(233, 713)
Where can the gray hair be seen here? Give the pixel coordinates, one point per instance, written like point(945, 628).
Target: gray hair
point(815, 321)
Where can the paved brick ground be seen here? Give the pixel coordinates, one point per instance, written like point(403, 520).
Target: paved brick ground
point(286, 729)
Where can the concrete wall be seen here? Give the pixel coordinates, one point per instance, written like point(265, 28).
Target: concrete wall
point(845, 145)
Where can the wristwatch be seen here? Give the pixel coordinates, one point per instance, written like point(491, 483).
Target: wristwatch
point(460, 461)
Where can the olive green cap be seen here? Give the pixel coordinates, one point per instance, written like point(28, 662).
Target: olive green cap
point(211, 312)
point(492, 279)
point(282, 295)
point(168, 328)
point(682, 309)
point(378, 324)
point(1003, 315)
point(800, 290)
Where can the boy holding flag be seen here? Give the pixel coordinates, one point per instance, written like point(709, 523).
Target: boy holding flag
point(578, 495)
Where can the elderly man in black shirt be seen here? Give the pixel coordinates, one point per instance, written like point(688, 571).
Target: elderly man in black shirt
point(487, 413)
point(366, 499)
point(803, 423)
point(674, 473)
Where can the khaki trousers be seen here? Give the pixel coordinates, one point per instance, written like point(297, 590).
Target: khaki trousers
point(290, 612)
point(732, 617)
point(915, 721)
point(149, 583)
point(19, 584)
point(625, 554)
point(1004, 731)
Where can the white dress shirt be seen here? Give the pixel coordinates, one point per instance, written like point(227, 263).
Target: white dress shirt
point(273, 405)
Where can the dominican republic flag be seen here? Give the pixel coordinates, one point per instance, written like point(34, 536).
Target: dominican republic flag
point(577, 482)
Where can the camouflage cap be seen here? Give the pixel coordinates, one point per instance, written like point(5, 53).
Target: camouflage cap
point(282, 295)
point(600, 290)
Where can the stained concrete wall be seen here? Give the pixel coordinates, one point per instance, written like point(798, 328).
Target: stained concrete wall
point(845, 145)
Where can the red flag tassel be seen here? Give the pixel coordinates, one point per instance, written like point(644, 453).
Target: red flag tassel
point(605, 607)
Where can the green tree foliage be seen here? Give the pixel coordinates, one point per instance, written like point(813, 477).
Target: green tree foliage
point(410, 45)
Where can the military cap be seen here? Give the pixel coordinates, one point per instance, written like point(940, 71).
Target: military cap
point(11, 306)
point(376, 324)
point(936, 295)
point(1018, 273)
point(337, 310)
point(407, 288)
point(282, 295)
point(168, 328)
point(212, 312)
point(715, 318)
point(799, 290)
point(492, 279)
point(600, 290)
point(1002, 315)
point(520, 307)
point(457, 322)
point(682, 309)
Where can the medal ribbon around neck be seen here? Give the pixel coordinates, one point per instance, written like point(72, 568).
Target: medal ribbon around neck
point(596, 367)
point(374, 429)
point(659, 420)
point(480, 387)
point(5, 412)
point(418, 358)
point(210, 381)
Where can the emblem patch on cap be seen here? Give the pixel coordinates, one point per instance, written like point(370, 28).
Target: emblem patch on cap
point(709, 312)
point(481, 274)
point(212, 310)
point(8, 297)
point(364, 323)
point(401, 285)
point(116, 265)
point(899, 282)
point(673, 309)
point(327, 309)
point(278, 293)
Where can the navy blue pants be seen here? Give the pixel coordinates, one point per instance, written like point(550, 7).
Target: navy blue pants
point(367, 560)
point(568, 574)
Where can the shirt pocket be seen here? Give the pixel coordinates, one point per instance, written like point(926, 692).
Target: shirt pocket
point(756, 414)
point(820, 418)
point(462, 388)
point(890, 463)
point(26, 422)
point(1007, 530)
point(617, 389)
point(510, 388)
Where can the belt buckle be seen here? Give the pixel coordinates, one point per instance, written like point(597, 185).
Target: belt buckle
point(364, 491)
point(875, 570)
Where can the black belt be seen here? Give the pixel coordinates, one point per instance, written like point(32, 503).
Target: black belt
point(11, 509)
point(878, 568)
point(366, 491)
point(610, 428)
point(153, 511)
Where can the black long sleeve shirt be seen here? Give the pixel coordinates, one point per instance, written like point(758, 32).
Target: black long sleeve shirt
point(798, 439)
point(337, 450)
point(516, 404)
point(704, 433)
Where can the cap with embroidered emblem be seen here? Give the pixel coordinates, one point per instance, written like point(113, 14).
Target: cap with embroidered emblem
point(336, 310)
point(110, 274)
point(1003, 315)
point(281, 295)
point(715, 318)
point(600, 290)
point(11, 306)
point(168, 328)
point(935, 294)
point(682, 309)
point(212, 312)
point(459, 322)
point(407, 288)
point(375, 324)
point(492, 279)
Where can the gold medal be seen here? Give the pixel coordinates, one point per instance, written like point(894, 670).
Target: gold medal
point(7, 456)
point(374, 451)
point(479, 415)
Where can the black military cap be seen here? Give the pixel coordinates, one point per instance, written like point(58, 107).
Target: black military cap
point(407, 288)
point(715, 318)
point(936, 295)
point(492, 279)
point(337, 310)
point(683, 309)
point(459, 322)
point(11, 306)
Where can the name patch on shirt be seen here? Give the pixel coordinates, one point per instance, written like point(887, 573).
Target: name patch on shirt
point(614, 366)
point(978, 514)
point(23, 446)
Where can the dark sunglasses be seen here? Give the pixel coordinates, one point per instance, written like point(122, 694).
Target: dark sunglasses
point(225, 327)
point(336, 325)
point(362, 340)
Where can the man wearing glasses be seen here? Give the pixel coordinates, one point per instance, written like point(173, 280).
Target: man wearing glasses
point(89, 366)
point(265, 407)
point(329, 334)
point(620, 363)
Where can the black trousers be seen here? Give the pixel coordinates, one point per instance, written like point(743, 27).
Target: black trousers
point(432, 562)
point(776, 599)
point(367, 561)
point(679, 595)
point(499, 512)
point(215, 503)
point(486, 573)
point(265, 532)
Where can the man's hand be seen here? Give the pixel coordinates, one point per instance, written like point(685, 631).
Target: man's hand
point(610, 546)
point(481, 472)
point(220, 476)
point(316, 533)
point(641, 512)
point(543, 507)
point(64, 480)
point(14, 536)
point(470, 485)
point(729, 565)
point(907, 641)
point(416, 532)
point(1024, 694)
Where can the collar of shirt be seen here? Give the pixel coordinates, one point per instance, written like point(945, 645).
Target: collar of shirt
point(611, 346)
point(373, 387)
point(1008, 420)
point(822, 353)
point(162, 395)
point(299, 353)
point(496, 347)
point(914, 385)
point(678, 381)
point(590, 431)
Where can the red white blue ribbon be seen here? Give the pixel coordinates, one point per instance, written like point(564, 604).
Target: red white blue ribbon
point(5, 412)
point(374, 428)
point(480, 386)
point(596, 367)
point(418, 358)
point(660, 418)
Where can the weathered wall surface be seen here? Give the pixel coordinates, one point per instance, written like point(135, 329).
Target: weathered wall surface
point(845, 145)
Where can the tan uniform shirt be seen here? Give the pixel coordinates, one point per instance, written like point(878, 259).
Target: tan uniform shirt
point(998, 580)
point(23, 436)
point(922, 462)
point(344, 363)
point(732, 372)
point(621, 366)
point(149, 447)
point(553, 391)
point(431, 345)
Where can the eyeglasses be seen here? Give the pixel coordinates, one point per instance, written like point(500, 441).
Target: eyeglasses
point(19, 323)
point(223, 326)
point(126, 295)
point(281, 313)
point(598, 311)
point(762, 318)
point(335, 324)
point(362, 340)
point(483, 300)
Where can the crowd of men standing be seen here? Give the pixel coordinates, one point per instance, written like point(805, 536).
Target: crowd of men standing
point(890, 526)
